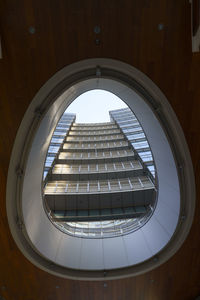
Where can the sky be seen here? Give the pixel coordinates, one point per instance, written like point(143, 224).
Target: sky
point(93, 106)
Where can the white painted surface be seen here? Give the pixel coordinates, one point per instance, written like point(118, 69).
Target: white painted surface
point(137, 248)
point(94, 261)
point(69, 252)
point(113, 253)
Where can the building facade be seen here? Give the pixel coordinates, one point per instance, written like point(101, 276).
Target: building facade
point(101, 179)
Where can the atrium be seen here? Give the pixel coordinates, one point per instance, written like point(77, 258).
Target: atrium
point(141, 50)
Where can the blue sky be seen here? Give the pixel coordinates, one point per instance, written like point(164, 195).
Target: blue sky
point(93, 106)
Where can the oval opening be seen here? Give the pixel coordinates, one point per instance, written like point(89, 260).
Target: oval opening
point(124, 255)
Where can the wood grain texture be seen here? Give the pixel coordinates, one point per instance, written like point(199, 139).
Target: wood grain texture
point(63, 35)
point(195, 16)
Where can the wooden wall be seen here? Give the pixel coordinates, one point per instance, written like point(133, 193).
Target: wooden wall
point(195, 16)
point(63, 35)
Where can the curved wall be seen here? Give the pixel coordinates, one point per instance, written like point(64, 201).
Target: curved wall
point(161, 236)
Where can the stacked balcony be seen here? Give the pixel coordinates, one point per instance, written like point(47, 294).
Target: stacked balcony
point(134, 133)
point(97, 176)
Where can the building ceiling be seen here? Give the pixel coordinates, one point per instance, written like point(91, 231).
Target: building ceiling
point(41, 37)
